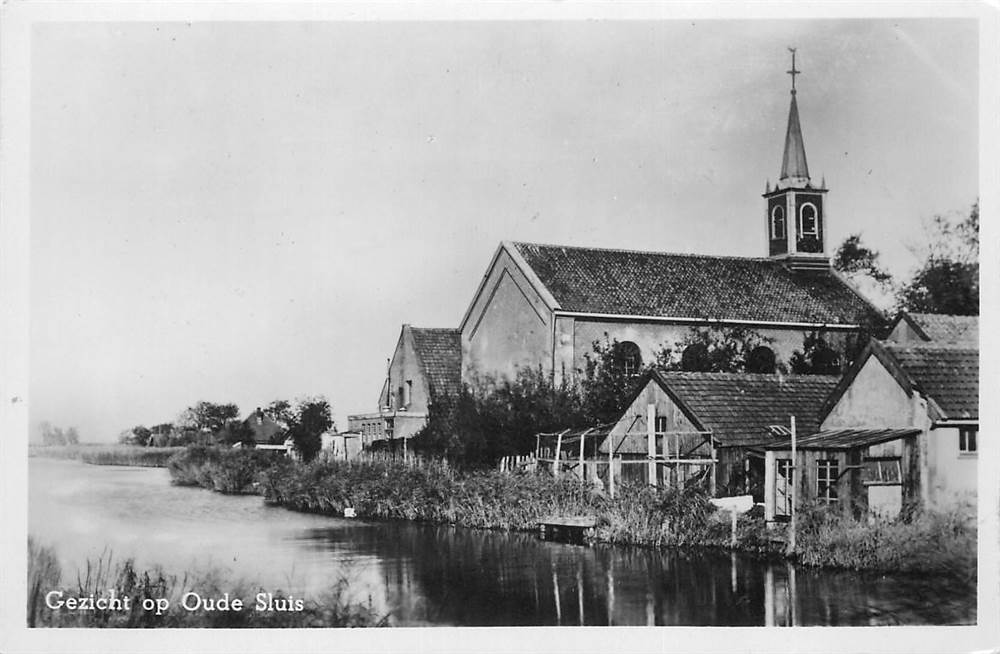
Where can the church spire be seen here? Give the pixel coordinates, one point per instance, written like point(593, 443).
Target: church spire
point(794, 170)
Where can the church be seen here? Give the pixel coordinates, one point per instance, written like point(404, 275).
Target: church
point(546, 305)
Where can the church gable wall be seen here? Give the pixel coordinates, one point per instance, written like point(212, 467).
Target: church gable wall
point(509, 325)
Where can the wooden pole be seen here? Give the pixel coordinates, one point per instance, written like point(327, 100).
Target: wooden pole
point(651, 443)
point(611, 466)
point(711, 445)
point(583, 471)
point(795, 492)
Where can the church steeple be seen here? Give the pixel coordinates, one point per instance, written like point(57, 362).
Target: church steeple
point(794, 169)
point(795, 220)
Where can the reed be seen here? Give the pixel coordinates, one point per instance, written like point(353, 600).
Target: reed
point(97, 577)
point(109, 455)
point(384, 487)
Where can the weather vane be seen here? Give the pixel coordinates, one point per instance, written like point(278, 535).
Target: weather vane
point(793, 72)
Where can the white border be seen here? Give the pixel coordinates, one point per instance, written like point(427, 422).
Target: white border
point(17, 19)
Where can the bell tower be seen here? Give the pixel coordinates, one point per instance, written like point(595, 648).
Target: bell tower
point(796, 223)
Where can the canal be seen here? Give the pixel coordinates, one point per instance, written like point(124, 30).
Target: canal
point(418, 574)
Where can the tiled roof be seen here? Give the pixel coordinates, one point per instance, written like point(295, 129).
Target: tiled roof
point(626, 282)
point(948, 329)
point(739, 407)
point(947, 374)
point(440, 354)
point(843, 439)
point(264, 428)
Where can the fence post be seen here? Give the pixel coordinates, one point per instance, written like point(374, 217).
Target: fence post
point(583, 471)
point(555, 464)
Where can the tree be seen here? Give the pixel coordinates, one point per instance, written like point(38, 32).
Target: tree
point(310, 419)
point(817, 357)
point(948, 279)
point(720, 349)
point(281, 412)
point(72, 436)
point(607, 384)
point(208, 416)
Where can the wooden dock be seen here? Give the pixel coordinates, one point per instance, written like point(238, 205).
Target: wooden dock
point(566, 528)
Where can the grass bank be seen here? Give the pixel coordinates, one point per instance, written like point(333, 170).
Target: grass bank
point(108, 455)
point(100, 576)
point(432, 491)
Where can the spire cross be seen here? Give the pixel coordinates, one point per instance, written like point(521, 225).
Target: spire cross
point(793, 72)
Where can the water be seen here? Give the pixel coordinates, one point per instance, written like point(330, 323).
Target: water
point(430, 575)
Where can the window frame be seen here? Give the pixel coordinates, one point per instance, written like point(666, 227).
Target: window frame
point(774, 222)
point(964, 434)
point(802, 220)
point(827, 475)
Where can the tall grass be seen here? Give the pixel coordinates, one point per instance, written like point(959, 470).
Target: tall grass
point(937, 543)
point(98, 577)
point(109, 455)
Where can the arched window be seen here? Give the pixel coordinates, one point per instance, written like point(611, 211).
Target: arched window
point(761, 359)
point(807, 220)
point(694, 358)
point(778, 222)
point(628, 358)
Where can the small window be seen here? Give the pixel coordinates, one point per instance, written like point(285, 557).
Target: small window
point(967, 437)
point(661, 424)
point(407, 393)
point(827, 472)
point(807, 215)
point(778, 222)
point(885, 471)
point(628, 358)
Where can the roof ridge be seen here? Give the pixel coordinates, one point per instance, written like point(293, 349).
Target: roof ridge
point(436, 329)
point(656, 252)
point(765, 375)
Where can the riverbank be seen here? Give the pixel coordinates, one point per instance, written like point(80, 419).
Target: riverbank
point(167, 596)
point(383, 488)
point(108, 455)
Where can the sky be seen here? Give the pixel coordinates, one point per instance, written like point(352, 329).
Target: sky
point(247, 211)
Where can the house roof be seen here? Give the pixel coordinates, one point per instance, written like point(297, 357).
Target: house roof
point(843, 439)
point(263, 426)
point(740, 408)
point(947, 375)
point(657, 284)
point(941, 329)
point(440, 353)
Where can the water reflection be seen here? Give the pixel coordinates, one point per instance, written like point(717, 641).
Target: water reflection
point(434, 575)
point(446, 575)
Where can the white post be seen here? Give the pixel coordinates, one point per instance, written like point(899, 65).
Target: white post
point(651, 442)
point(555, 464)
point(583, 471)
point(795, 491)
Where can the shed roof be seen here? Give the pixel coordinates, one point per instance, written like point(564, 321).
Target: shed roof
point(440, 353)
point(843, 439)
point(657, 284)
point(948, 375)
point(740, 408)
